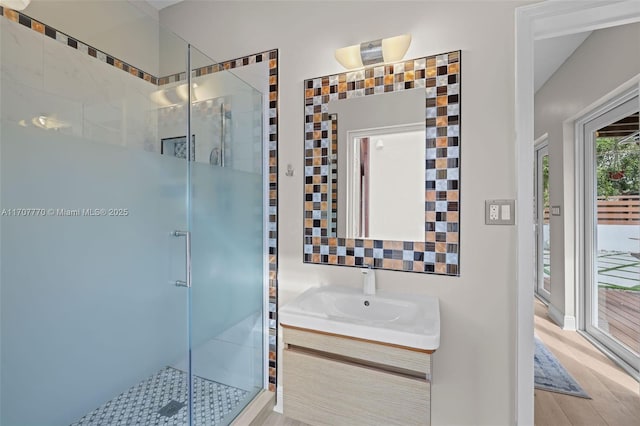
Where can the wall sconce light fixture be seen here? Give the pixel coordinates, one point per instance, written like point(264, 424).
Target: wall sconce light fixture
point(385, 50)
point(15, 4)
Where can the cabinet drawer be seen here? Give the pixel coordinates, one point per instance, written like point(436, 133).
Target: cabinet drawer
point(323, 391)
point(413, 360)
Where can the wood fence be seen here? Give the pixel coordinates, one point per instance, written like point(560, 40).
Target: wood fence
point(617, 210)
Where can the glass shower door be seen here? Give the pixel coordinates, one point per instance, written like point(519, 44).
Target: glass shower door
point(91, 319)
point(226, 223)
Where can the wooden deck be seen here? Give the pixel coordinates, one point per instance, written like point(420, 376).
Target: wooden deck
point(619, 314)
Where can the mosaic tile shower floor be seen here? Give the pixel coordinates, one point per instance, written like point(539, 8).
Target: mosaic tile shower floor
point(140, 405)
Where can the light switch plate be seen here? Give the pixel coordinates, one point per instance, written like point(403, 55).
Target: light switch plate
point(500, 212)
point(555, 211)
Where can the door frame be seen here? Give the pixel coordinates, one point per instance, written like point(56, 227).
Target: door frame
point(586, 230)
point(535, 22)
point(541, 147)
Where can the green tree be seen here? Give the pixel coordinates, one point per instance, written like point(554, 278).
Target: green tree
point(618, 167)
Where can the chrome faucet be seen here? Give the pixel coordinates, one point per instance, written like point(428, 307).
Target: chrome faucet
point(368, 280)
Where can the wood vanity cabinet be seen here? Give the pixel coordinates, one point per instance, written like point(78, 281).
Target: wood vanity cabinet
point(336, 380)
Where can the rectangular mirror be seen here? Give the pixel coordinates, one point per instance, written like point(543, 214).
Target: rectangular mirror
point(378, 147)
point(382, 149)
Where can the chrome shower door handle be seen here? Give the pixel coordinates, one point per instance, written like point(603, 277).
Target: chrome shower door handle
point(223, 133)
point(187, 239)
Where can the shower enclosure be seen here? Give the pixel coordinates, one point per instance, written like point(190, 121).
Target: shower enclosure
point(131, 263)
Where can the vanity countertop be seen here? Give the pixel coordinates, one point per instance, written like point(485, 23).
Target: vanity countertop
point(411, 321)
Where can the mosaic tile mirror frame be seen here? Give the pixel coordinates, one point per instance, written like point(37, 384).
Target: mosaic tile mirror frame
point(439, 77)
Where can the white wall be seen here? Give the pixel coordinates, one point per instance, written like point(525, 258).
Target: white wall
point(607, 59)
point(396, 191)
point(473, 382)
point(618, 238)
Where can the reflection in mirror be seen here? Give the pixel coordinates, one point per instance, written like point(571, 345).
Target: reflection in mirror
point(377, 167)
point(385, 189)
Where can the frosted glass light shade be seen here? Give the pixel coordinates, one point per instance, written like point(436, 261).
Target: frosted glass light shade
point(349, 57)
point(15, 4)
point(393, 50)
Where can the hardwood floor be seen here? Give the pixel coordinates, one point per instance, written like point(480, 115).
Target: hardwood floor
point(615, 395)
point(276, 419)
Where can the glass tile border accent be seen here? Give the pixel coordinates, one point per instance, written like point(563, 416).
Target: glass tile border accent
point(272, 56)
point(333, 175)
point(439, 77)
point(74, 43)
point(229, 65)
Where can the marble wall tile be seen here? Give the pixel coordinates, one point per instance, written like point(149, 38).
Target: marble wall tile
point(21, 55)
point(95, 101)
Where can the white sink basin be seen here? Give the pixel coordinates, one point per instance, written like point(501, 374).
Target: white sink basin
point(407, 320)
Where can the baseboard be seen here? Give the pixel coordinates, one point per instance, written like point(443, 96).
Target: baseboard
point(565, 322)
point(555, 315)
point(279, 394)
point(256, 413)
point(570, 323)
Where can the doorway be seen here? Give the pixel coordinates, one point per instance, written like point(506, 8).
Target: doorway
point(536, 22)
